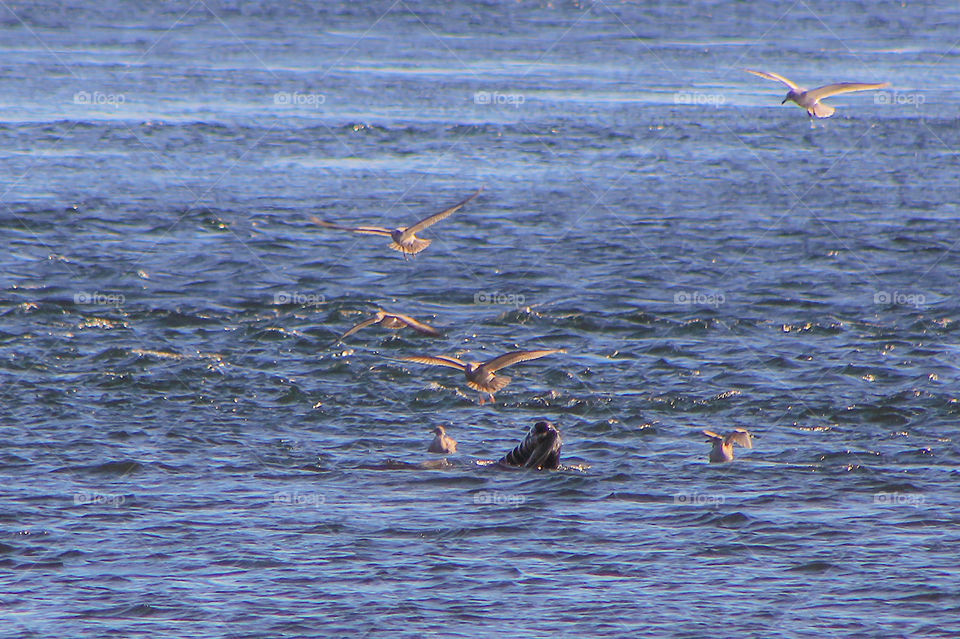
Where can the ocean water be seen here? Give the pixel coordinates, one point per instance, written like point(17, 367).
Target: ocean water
point(186, 453)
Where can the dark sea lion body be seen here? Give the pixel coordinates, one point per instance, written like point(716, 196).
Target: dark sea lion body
point(539, 449)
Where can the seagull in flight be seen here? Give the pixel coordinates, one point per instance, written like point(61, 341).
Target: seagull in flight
point(404, 238)
point(810, 100)
point(392, 321)
point(480, 375)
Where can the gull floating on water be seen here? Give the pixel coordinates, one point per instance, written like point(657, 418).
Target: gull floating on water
point(723, 446)
point(480, 375)
point(404, 239)
point(810, 100)
point(392, 321)
point(442, 443)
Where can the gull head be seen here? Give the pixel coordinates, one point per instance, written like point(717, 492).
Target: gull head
point(793, 95)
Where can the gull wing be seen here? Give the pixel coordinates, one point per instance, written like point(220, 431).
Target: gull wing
point(430, 360)
point(712, 435)
point(516, 357)
point(774, 76)
point(420, 327)
point(436, 217)
point(741, 437)
point(365, 323)
point(842, 87)
point(369, 230)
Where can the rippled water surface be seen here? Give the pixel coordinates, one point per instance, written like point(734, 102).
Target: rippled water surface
point(187, 454)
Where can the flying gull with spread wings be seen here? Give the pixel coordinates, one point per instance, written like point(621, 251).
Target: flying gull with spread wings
point(404, 238)
point(392, 321)
point(480, 375)
point(810, 100)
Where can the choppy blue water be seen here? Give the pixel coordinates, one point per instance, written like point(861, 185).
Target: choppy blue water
point(185, 455)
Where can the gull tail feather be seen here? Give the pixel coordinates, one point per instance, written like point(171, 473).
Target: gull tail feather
point(495, 385)
point(821, 110)
point(412, 247)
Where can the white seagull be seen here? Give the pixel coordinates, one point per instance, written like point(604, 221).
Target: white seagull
point(442, 443)
point(810, 100)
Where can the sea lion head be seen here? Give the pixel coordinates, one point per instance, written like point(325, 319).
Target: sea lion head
point(539, 449)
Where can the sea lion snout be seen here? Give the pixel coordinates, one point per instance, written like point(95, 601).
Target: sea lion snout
point(542, 427)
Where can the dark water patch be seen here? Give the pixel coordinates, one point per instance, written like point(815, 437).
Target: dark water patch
point(115, 468)
point(926, 597)
point(922, 456)
point(131, 611)
point(813, 567)
point(8, 460)
point(732, 520)
point(39, 565)
point(711, 515)
point(922, 520)
point(831, 459)
point(746, 551)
